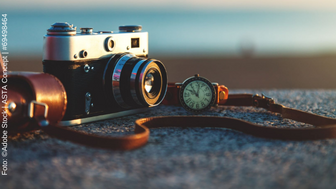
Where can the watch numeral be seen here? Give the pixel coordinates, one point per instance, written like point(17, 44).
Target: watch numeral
point(186, 94)
point(197, 106)
point(188, 100)
point(202, 104)
point(208, 94)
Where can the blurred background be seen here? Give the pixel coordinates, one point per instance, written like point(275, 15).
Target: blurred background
point(241, 43)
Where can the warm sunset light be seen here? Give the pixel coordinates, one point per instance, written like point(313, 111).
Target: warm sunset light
point(194, 94)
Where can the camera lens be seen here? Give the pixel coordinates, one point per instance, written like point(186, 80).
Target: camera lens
point(132, 81)
point(149, 82)
point(152, 83)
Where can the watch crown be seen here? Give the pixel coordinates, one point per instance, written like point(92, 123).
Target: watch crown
point(221, 95)
point(196, 75)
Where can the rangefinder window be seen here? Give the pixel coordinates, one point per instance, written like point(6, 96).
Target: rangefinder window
point(135, 42)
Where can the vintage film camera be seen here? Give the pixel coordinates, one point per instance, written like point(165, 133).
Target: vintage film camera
point(105, 74)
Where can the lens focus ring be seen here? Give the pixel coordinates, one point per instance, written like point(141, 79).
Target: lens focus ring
point(132, 82)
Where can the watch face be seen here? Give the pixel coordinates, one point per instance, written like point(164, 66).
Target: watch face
point(197, 94)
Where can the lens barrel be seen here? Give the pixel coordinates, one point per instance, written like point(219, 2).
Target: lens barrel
point(132, 81)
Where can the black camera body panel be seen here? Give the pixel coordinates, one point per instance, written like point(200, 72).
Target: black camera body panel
point(77, 83)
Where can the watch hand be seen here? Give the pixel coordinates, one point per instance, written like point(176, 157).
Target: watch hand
point(194, 90)
point(198, 89)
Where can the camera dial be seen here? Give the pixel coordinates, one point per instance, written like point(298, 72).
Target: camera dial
point(62, 28)
point(130, 28)
point(86, 30)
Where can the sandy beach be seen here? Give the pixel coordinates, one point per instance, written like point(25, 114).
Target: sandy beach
point(291, 72)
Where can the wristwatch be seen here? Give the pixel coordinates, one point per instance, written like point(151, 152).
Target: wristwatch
point(196, 94)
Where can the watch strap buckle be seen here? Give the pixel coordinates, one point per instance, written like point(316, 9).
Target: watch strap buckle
point(262, 101)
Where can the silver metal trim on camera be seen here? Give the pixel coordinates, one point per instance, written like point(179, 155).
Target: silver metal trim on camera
point(87, 102)
point(101, 117)
point(116, 80)
point(67, 45)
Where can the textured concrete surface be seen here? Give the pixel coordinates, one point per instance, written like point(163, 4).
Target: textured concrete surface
point(183, 158)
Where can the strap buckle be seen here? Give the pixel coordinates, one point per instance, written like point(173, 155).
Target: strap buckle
point(31, 106)
point(262, 101)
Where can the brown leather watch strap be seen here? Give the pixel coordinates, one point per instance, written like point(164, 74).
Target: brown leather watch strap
point(268, 104)
point(324, 127)
point(172, 95)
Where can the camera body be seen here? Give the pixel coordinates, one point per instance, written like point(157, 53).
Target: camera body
point(105, 74)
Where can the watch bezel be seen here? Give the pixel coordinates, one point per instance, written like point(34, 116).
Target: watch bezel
point(192, 79)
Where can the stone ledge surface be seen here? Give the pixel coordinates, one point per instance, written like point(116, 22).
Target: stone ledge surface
point(184, 158)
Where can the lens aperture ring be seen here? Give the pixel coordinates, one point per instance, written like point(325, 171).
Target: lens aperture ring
point(116, 80)
point(133, 84)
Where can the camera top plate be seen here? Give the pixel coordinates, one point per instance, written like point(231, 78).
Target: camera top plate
point(62, 43)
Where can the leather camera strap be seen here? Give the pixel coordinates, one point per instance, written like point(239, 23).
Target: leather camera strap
point(324, 127)
point(39, 102)
point(44, 97)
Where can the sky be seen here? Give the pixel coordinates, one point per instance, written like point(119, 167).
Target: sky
point(174, 4)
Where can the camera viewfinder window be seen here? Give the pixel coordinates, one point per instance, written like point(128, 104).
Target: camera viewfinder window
point(135, 42)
